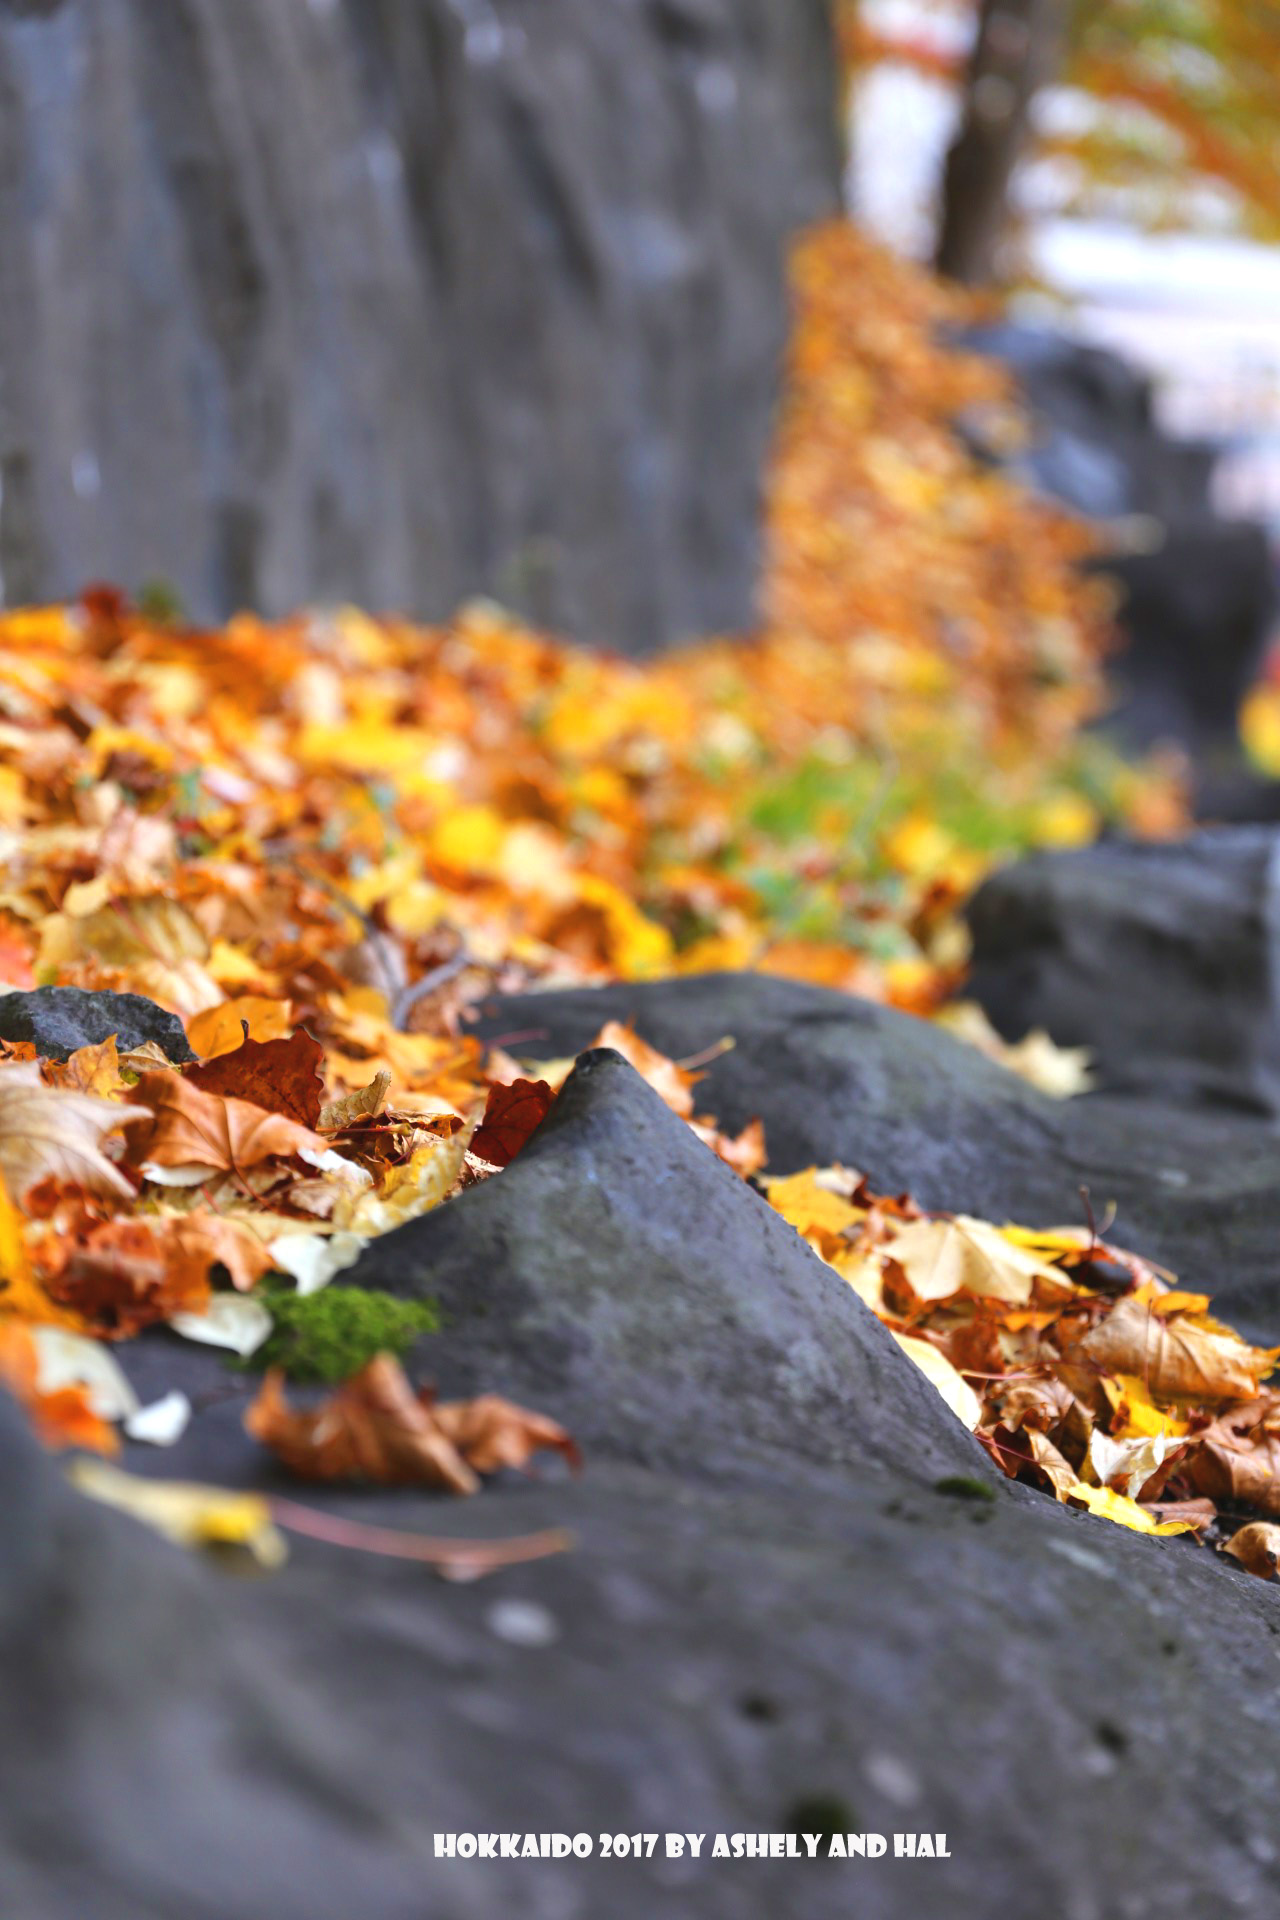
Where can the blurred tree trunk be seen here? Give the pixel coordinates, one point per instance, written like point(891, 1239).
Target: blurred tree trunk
point(1017, 50)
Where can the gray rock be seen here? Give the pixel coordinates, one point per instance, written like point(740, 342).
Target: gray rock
point(768, 1621)
point(1164, 959)
point(153, 1764)
point(624, 1279)
point(57, 1020)
point(837, 1078)
point(396, 301)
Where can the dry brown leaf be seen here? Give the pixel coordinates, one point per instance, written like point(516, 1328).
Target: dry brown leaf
point(375, 1428)
point(745, 1152)
point(1176, 1358)
point(490, 1432)
point(129, 1274)
point(54, 1133)
point(93, 1069)
point(512, 1115)
point(1236, 1460)
point(182, 1126)
point(1257, 1548)
point(365, 1103)
point(280, 1075)
point(371, 1428)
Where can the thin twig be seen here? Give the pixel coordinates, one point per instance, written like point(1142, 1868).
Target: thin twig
point(407, 999)
point(454, 1559)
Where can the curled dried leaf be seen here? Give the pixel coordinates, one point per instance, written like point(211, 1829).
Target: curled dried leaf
point(375, 1428)
point(1177, 1356)
point(1257, 1548)
point(55, 1133)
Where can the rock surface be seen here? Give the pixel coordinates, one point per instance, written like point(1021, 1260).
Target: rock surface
point(152, 1763)
point(837, 1078)
point(395, 301)
point(775, 1622)
point(1165, 960)
point(621, 1275)
point(57, 1020)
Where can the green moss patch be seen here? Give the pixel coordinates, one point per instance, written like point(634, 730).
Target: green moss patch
point(328, 1336)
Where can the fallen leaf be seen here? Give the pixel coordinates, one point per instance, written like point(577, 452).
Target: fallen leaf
point(490, 1432)
point(280, 1075)
point(1126, 1513)
point(163, 1423)
point(363, 1103)
point(375, 1428)
point(512, 1115)
point(127, 1274)
point(220, 1030)
point(188, 1514)
point(941, 1258)
point(1176, 1357)
point(745, 1152)
point(92, 1069)
point(53, 1133)
point(1127, 1465)
point(371, 1428)
point(426, 1178)
point(62, 1416)
point(812, 1208)
point(940, 1373)
point(149, 937)
point(180, 1125)
point(1236, 1460)
point(313, 1259)
point(74, 1360)
point(1257, 1548)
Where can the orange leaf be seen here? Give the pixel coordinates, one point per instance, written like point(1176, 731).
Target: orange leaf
point(375, 1428)
point(490, 1432)
point(372, 1428)
point(222, 1029)
point(512, 1114)
point(187, 1127)
point(61, 1419)
point(284, 1076)
point(128, 1274)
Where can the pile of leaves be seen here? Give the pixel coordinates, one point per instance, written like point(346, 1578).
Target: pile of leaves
point(1081, 1368)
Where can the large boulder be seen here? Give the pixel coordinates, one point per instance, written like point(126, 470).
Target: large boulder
point(837, 1078)
point(1161, 958)
point(796, 1610)
point(401, 300)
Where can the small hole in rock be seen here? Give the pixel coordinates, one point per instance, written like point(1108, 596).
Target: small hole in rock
point(759, 1706)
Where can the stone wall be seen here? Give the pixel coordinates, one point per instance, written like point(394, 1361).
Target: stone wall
point(401, 300)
